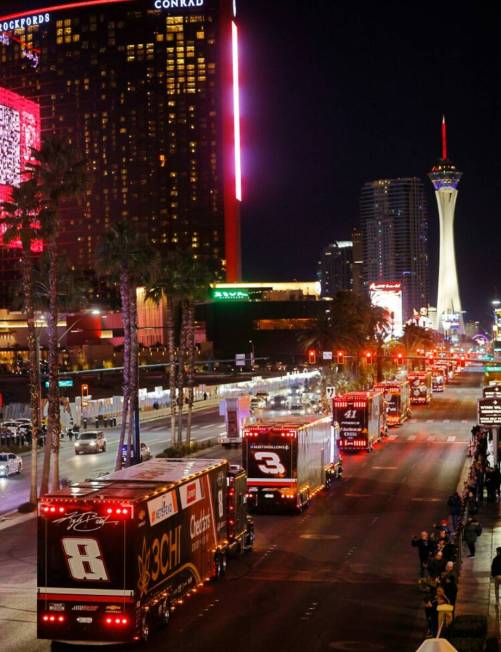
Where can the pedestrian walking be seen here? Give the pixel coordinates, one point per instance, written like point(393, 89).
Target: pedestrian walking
point(496, 573)
point(70, 434)
point(455, 505)
point(496, 478)
point(449, 582)
point(472, 531)
point(425, 548)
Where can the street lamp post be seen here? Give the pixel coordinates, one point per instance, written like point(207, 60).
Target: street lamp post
point(252, 358)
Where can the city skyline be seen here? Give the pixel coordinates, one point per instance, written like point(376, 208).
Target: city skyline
point(363, 115)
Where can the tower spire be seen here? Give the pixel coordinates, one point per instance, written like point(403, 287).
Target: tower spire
point(444, 139)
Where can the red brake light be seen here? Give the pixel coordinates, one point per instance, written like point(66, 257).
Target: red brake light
point(45, 618)
point(61, 510)
point(109, 510)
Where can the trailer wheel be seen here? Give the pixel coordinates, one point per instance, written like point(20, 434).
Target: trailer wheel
point(164, 612)
point(145, 628)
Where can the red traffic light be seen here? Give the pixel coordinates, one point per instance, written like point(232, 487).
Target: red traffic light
point(400, 358)
point(368, 357)
point(340, 357)
point(312, 356)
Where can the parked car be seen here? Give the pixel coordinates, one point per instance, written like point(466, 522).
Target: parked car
point(145, 452)
point(12, 426)
point(10, 464)
point(90, 441)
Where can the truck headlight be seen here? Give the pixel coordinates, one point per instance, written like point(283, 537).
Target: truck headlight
point(3, 468)
point(92, 443)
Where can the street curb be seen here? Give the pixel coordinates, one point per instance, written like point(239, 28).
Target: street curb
point(463, 476)
point(17, 518)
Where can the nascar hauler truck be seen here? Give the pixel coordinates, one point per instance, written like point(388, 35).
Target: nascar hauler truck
point(397, 400)
point(115, 556)
point(288, 460)
point(437, 379)
point(421, 386)
point(361, 417)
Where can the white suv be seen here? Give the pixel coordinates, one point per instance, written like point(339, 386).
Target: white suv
point(10, 464)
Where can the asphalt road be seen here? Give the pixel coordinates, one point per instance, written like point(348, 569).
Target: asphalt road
point(341, 576)
point(207, 424)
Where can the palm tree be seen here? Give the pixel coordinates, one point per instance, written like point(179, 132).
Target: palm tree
point(60, 177)
point(126, 257)
point(199, 276)
point(19, 219)
point(416, 338)
point(166, 283)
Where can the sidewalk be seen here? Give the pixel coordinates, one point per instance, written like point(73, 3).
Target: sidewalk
point(476, 592)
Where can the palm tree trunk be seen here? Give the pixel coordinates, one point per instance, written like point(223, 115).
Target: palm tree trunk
point(53, 421)
point(190, 345)
point(34, 370)
point(134, 369)
point(125, 300)
point(171, 353)
point(180, 373)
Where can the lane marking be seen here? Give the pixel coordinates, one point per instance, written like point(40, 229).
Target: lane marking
point(385, 468)
point(447, 420)
point(425, 500)
point(451, 438)
point(392, 437)
point(319, 537)
point(431, 438)
point(430, 420)
point(411, 437)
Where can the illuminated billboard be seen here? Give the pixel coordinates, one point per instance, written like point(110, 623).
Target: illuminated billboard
point(19, 135)
point(388, 295)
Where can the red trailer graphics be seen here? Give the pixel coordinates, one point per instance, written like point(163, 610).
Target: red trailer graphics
point(288, 460)
point(115, 556)
point(396, 397)
point(420, 384)
point(361, 417)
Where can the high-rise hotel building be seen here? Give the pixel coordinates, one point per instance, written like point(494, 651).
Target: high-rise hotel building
point(394, 219)
point(147, 92)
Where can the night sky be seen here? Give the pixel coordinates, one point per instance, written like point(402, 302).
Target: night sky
point(338, 93)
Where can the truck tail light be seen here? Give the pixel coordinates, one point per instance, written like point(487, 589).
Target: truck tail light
point(116, 621)
point(118, 510)
point(52, 510)
point(53, 618)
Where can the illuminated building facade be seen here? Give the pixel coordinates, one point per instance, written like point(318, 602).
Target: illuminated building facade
point(335, 267)
point(147, 92)
point(445, 178)
point(394, 220)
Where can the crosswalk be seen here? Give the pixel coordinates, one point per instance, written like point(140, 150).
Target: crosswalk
point(425, 438)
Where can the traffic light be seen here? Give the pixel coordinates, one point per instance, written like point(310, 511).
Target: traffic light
point(463, 361)
point(312, 356)
point(400, 358)
point(368, 357)
point(340, 357)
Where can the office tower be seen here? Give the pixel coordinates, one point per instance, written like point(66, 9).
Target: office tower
point(394, 220)
point(357, 268)
point(147, 92)
point(335, 267)
point(445, 179)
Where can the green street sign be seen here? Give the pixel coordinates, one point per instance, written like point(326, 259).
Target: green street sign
point(66, 382)
point(492, 368)
point(230, 295)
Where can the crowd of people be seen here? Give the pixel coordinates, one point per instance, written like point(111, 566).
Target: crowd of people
point(438, 579)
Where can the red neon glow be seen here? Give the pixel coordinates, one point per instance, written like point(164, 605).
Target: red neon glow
point(444, 139)
point(71, 5)
point(236, 112)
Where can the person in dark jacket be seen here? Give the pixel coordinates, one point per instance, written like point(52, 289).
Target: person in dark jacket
point(496, 573)
point(449, 581)
point(436, 565)
point(472, 531)
point(455, 505)
point(425, 549)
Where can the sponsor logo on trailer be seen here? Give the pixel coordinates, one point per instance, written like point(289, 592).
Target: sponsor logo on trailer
point(162, 507)
point(190, 493)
